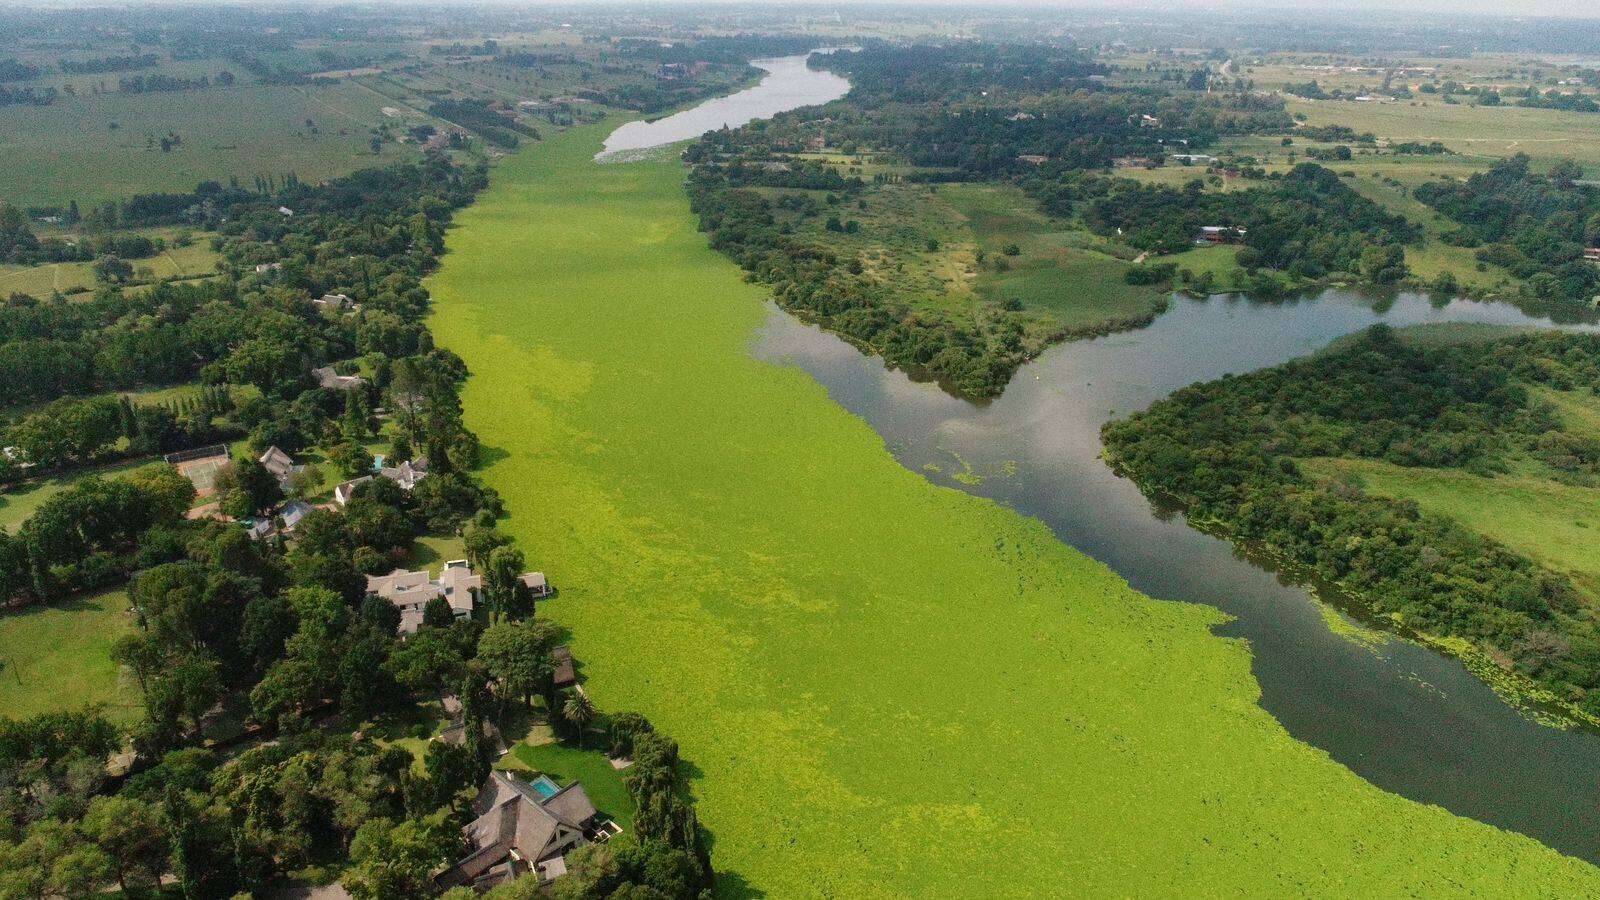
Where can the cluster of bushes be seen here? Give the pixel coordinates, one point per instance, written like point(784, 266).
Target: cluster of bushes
point(1535, 225)
point(153, 84)
point(108, 64)
point(1307, 223)
point(1227, 450)
point(20, 246)
point(12, 69)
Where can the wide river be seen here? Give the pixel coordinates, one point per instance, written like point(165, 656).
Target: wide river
point(1406, 718)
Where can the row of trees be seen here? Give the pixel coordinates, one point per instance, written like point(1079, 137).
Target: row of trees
point(1227, 451)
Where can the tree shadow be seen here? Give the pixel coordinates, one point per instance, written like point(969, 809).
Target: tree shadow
point(488, 456)
point(734, 885)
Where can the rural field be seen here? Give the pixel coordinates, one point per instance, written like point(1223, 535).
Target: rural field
point(1475, 130)
point(887, 688)
point(106, 149)
point(59, 657)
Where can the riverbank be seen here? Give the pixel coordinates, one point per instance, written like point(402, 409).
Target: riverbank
point(888, 687)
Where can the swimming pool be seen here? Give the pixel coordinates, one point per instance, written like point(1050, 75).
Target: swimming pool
point(545, 786)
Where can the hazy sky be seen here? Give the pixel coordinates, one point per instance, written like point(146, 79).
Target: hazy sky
point(1587, 9)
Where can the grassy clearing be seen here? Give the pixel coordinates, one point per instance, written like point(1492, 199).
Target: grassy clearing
point(78, 278)
point(59, 657)
point(17, 503)
point(888, 688)
point(1056, 271)
point(1479, 130)
point(1554, 524)
point(94, 149)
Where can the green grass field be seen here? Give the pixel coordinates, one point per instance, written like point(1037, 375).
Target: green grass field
point(565, 764)
point(886, 688)
point(1056, 271)
point(77, 278)
point(19, 501)
point(1554, 524)
point(71, 151)
point(1481, 130)
point(59, 657)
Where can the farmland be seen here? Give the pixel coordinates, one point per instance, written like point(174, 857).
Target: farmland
point(888, 688)
point(196, 259)
point(107, 148)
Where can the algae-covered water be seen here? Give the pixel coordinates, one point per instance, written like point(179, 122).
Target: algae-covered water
point(884, 686)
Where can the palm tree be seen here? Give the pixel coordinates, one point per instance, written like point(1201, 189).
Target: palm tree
point(579, 711)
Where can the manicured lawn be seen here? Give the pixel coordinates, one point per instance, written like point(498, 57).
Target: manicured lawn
point(59, 657)
point(565, 764)
point(885, 688)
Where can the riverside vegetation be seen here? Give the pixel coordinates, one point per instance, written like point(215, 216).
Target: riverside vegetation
point(1520, 408)
point(272, 697)
point(867, 670)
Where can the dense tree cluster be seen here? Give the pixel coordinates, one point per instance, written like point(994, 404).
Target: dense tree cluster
point(11, 69)
point(20, 246)
point(1227, 451)
point(268, 650)
point(108, 64)
point(1537, 226)
point(1307, 223)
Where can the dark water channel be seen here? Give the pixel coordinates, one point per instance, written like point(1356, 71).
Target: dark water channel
point(1406, 718)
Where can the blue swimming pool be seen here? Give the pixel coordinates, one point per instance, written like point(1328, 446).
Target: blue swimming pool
point(545, 786)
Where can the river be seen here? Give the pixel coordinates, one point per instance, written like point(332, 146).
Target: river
point(1408, 719)
point(788, 84)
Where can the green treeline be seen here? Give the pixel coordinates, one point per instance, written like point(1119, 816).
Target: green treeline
point(962, 112)
point(259, 663)
point(1537, 226)
point(1226, 450)
point(1307, 223)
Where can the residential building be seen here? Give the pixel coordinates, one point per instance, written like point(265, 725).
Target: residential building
point(566, 674)
point(334, 303)
point(408, 473)
point(268, 267)
point(292, 513)
point(411, 591)
point(328, 378)
point(1033, 159)
point(1592, 253)
point(343, 493)
point(1220, 234)
point(280, 464)
point(522, 828)
point(537, 585)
